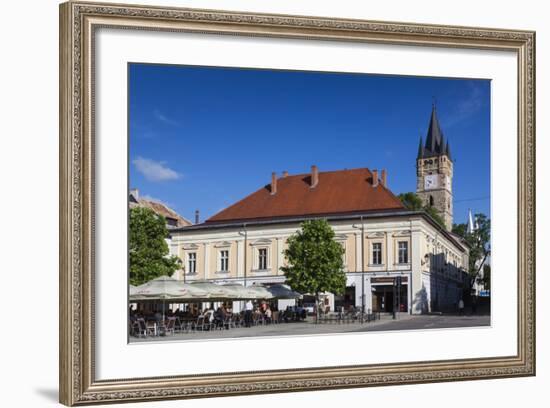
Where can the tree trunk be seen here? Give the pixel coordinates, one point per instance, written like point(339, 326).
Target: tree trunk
point(317, 307)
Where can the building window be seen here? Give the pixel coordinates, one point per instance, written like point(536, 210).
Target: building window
point(377, 253)
point(262, 258)
point(403, 255)
point(192, 262)
point(224, 260)
point(431, 201)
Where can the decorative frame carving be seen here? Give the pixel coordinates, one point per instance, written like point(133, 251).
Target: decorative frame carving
point(78, 22)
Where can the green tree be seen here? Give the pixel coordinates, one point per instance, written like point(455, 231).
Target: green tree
point(147, 247)
point(486, 277)
point(479, 242)
point(315, 263)
point(413, 202)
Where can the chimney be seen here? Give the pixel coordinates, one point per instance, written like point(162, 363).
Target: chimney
point(285, 173)
point(384, 178)
point(273, 183)
point(314, 176)
point(134, 192)
point(375, 178)
point(197, 218)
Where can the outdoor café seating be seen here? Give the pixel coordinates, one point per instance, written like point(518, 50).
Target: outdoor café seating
point(163, 292)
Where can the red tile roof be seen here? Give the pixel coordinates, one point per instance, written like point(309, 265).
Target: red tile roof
point(338, 192)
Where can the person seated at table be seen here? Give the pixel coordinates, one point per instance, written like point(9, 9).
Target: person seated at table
point(219, 317)
point(209, 315)
point(157, 316)
point(268, 315)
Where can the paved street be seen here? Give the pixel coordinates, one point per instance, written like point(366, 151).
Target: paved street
point(386, 323)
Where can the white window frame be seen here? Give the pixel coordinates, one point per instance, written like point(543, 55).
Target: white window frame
point(381, 251)
point(406, 254)
point(257, 245)
point(223, 259)
point(259, 266)
point(188, 263)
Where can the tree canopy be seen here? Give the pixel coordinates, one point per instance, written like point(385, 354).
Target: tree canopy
point(147, 247)
point(315, 260)
point(479, 241)
point(413, 202)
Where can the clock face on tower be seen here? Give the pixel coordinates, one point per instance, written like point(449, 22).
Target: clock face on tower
point(430, 182)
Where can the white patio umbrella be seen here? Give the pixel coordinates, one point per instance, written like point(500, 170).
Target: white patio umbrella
point(214, 292)
point(282, 291)
point(242, 292)
point(236, 291)
point(260, 291)
point(166, 288)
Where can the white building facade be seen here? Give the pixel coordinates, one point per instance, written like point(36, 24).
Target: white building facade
point(378, 248)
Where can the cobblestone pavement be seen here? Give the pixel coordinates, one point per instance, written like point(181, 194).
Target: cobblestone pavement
point(386, 323)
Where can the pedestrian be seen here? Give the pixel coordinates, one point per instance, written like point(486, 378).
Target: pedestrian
point(268, 315)
point(248, 313)
point(461, 307)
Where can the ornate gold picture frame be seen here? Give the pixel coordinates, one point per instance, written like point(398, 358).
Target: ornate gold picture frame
point(78, 24)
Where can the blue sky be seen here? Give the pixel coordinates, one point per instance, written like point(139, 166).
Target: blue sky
point(203, 137)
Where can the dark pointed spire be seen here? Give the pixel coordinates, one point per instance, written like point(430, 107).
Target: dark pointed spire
point(433, 139)
point(448, 151)
point(420, 149)
point(443, 144)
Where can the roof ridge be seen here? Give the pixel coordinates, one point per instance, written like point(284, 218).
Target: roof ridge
point(328, 171)
point(343, 190)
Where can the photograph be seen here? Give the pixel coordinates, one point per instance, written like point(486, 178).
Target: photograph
point(267, 202)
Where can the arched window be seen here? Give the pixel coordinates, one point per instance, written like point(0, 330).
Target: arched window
point(431, 201)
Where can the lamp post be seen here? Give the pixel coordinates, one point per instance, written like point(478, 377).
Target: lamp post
point(244, 234)
point(362, 228)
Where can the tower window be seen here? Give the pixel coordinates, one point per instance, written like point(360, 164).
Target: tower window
point(431, 201)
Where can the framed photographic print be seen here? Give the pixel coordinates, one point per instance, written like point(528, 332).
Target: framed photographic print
point(258, 203)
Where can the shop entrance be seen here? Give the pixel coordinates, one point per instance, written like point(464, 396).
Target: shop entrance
point(347, 300)
point(387, 297)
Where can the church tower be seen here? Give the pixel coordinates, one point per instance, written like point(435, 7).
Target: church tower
point(434, 172)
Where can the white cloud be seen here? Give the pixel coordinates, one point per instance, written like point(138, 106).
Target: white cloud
point(155, 171)
point(466, 107)
point(165, 119)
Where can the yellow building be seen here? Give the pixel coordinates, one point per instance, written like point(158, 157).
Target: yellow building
point(383, 242)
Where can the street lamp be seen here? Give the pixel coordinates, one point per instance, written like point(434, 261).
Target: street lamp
point(362, 228)
point(244, 234)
